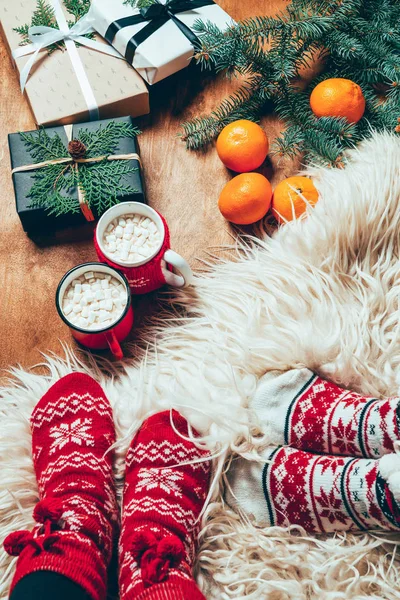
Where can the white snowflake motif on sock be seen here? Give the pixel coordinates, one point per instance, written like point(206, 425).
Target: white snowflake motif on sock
point(75, 433)
point(166, 479)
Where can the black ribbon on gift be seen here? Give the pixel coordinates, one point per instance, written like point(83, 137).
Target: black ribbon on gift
point(155, 15)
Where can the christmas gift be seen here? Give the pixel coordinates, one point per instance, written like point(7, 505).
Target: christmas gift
point(68, 75)
point(157, 40)
point(65, 176)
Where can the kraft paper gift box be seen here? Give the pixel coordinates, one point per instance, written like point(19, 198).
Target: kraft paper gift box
point(36, 220)
point(52, 87)
point(155, 51)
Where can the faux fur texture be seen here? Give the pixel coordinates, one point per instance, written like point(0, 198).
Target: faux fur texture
point(323, 293)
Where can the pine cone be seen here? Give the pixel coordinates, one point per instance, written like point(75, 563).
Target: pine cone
point(77, 149)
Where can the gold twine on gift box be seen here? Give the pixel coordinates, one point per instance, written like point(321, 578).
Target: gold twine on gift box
point(83, 205)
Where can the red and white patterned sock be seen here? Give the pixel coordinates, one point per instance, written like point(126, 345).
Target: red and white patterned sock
point(161, 507)
point(299, 409)
point(321, 493)
point(72, 431)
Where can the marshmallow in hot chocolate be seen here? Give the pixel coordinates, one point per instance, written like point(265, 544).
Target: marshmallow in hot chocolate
point(94, 300)
point(131, 238)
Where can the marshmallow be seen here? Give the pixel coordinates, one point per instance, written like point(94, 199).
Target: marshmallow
point(67, 309)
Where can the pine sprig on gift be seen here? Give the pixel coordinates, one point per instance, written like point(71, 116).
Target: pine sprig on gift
point(105, 139)
point(101, 182)
point(355, 39)
point(43, 15)
point(77, 8)
point(139, 3)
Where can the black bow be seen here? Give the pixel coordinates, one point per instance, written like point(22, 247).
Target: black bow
point(155, 15)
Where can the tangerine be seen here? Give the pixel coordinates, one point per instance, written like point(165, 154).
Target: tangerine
point(288, 199)
point(242, 146)
point(338, 97)
point(246, 198)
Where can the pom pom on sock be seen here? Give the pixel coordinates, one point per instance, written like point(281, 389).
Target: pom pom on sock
point(16, 541)
point(48, 509)
point(172, 549)
point(141, 542)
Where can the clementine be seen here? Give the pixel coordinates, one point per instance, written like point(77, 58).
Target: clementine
point(288, 199)
point(242, 146)
point(246, 198)
point(338, 97)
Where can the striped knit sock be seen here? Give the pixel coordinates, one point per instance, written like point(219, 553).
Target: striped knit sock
point(301, 410)
point(321, 493)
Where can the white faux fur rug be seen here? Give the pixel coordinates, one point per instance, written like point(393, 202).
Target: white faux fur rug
point(322, 293)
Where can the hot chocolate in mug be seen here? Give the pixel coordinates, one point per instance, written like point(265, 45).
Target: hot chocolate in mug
point(150, 272)
point(107, 323)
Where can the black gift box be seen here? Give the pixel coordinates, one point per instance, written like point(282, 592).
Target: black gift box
point(38, 220)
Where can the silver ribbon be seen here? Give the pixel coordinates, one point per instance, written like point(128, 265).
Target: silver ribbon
point(42, 36)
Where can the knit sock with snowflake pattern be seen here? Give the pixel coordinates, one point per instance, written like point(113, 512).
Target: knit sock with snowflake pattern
point(165, 489)
point(72, 432)
point(299, 409)
point(321, 493)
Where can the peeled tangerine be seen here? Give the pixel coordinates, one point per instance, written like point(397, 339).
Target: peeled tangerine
point(288, 199)
point(246, 198)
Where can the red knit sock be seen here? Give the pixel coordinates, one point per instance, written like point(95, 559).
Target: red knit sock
point(299, 409)
point(72, 430)
point(321, 493)
point(162, 503)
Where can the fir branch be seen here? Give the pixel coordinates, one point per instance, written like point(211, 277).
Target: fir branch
point(139, 3)
point(355, 39)
point(77, 8)
point(99, 183)
point(200, 131)
point(105, 139)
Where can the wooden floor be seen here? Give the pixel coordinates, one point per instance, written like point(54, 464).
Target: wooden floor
point(183, 185)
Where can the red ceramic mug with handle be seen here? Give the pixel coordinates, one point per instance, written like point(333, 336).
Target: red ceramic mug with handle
point(151, 272)
point(97, 336)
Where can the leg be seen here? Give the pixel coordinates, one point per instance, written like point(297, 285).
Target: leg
point(299, 409)
point(45, 585)
point(72, 432)
point(320, 493)
point(167, 480)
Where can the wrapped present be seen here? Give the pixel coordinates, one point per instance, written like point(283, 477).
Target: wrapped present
point(158, 40)
point(65, 176)
point(86, 82)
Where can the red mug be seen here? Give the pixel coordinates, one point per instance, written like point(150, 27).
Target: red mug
point(110, 336)
point(154, 271)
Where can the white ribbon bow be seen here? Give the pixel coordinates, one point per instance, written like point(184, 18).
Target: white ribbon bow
point(41, 37)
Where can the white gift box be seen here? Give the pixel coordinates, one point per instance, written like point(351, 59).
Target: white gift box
point(165, 51)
